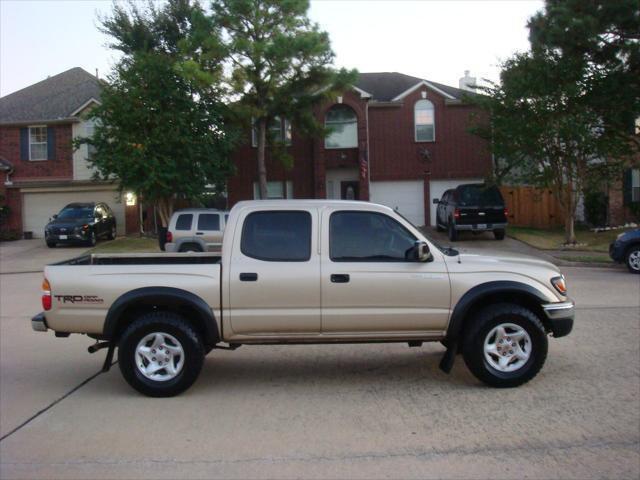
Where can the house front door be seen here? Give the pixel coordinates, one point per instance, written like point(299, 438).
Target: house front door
point(349, 190)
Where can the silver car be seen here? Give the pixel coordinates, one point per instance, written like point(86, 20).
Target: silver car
point(196, 230)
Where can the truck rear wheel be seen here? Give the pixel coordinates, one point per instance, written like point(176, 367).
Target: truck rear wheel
point(505, 346)
point(160, 354)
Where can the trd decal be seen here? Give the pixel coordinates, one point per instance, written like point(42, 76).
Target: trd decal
point(78, 299)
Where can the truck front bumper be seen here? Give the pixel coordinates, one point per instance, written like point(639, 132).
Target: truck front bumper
point(560, 316)
point(39, 323)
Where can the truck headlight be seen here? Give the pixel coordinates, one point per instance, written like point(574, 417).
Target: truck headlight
point(560, 284)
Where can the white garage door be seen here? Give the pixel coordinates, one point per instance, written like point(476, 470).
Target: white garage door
point(406, 196)
point(438, 187)
point(38, 207)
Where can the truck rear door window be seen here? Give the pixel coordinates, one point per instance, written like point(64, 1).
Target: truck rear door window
point(277, 236)
point(209, 221)
point(368, 237)
point(183, 222)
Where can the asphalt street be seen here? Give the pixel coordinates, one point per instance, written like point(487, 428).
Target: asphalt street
point(369, 411)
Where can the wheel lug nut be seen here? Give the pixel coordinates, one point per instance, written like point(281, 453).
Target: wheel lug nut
point(153, 359)
point(511, 352)
point(166, 359)
point(153, 351)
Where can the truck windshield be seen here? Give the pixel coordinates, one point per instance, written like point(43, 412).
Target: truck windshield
point(75, 213)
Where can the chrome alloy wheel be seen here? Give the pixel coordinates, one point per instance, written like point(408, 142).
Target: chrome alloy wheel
point(507, 347)
point(634, 260)
point(159, 356)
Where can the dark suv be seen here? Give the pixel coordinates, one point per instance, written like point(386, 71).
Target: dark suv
point(474, 207)
point(81, 223)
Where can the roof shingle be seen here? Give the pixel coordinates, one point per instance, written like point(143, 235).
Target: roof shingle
point(385, 86)
point(52, 99)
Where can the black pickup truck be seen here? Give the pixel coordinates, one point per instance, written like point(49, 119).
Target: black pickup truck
point(475, 207)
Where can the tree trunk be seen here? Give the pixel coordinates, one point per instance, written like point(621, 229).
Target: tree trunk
point(165, 209)
point(570, 215)
point(262, 167)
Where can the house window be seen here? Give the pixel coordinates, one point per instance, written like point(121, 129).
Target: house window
point(342, 122)
point(279, 130)
point(275, 190)
point(424, 121)
point(635, 185)
point(37, 143)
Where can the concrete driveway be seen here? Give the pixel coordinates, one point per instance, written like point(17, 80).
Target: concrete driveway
point(24, 256)
point(369, 411)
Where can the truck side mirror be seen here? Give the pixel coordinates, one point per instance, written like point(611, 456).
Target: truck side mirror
point(436, 201)
point(419, 252)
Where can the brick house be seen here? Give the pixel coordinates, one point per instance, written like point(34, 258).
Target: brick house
point(397, 140)
point(42, 172)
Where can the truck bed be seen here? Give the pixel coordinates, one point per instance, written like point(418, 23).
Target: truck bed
point(84, 288)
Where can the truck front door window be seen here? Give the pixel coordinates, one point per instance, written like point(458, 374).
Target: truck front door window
point(368, 237)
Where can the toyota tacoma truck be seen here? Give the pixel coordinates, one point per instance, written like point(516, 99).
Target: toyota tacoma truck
point(309, 272)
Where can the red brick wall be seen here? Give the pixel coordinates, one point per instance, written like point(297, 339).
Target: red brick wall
point(455, 153)
point(393, 153)
point(59, 168)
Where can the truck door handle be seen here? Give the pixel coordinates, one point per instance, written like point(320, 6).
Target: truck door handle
point(248, 277)
point(340, 278)
point(199, 233)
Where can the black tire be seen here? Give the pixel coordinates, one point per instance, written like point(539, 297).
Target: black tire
point(480, 327)
point(453, 233)
point(112, 233)
point(190, 247)
point(51, 244)
point(168, 323)
point(499, 234)
point(92, 239)
point(631, 255)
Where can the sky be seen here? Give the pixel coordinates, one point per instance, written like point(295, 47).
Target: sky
point(435, 40)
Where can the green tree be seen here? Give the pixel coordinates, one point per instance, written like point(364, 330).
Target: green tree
point(562, 115)
point(280, 67)
point(162, 130)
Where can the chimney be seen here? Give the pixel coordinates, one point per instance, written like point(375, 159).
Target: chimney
point(468, 83)
point(97, 76)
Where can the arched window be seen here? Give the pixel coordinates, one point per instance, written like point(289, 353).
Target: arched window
point(343, 123)
point(424, 121)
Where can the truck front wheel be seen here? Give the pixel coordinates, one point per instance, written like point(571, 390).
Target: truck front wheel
point(160, 354)
point(505, 346)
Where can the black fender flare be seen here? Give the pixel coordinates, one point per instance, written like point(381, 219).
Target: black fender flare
point(482, 291)
point(163, 297)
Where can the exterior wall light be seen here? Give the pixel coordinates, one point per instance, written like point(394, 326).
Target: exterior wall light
point(130, 199)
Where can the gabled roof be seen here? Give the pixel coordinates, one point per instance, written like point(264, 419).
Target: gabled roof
point(56, 98)
point(392, 86)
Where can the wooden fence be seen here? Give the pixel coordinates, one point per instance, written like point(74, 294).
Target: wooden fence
point(532, 207)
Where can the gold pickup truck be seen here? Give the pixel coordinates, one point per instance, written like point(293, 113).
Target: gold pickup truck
point(309, 272)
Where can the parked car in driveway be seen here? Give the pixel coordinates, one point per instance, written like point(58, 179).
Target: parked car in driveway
point(626, 249)
point(81, 223)
point(472, 207)
point(308, 272)
point(196, 230)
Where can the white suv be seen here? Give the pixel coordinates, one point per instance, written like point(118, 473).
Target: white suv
point(196, 230)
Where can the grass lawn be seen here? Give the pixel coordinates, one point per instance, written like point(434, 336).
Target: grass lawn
point(553, 239)
point(127, 245)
